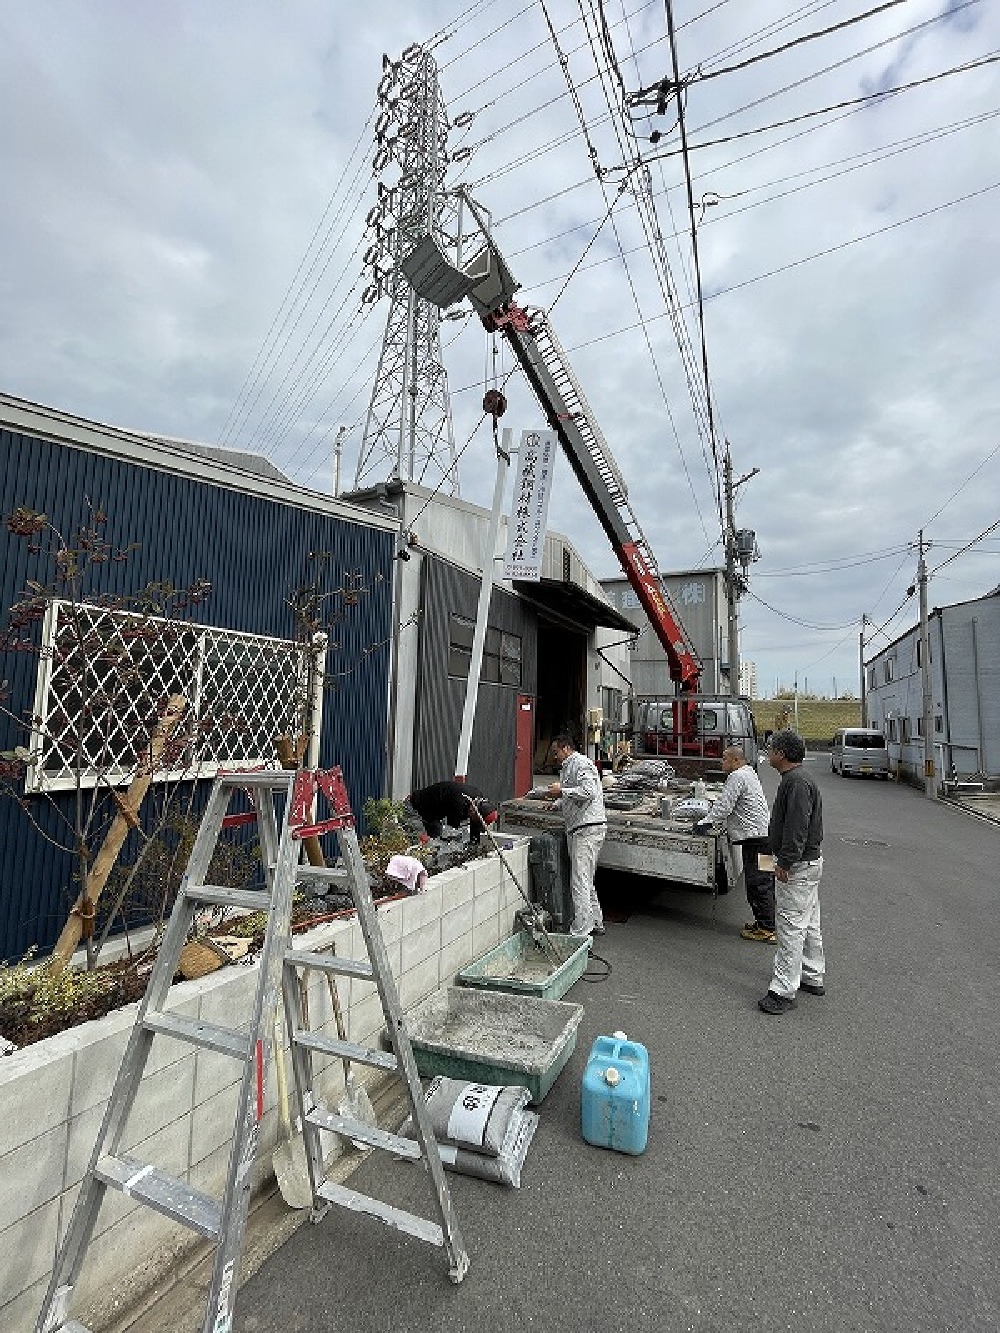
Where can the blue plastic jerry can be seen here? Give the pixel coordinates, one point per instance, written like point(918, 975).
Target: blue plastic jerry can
point(615, 1103)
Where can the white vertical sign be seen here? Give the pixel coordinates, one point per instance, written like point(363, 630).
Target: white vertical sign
point(530, 508)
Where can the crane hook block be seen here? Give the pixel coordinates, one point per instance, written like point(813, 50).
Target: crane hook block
point(494, 403)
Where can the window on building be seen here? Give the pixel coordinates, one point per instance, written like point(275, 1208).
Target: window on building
point(889, 672)
point(871, 678)
point(939, 723)
point(104, 675)
point(893, 729)
point(904, 729)
point(920, 726)
point(501, 653)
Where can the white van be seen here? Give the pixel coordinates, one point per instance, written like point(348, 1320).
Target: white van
point(860, 750)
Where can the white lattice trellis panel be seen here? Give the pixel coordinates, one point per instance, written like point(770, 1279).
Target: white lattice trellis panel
point(104, 674)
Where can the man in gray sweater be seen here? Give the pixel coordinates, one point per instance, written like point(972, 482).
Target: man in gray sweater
point(796, 837)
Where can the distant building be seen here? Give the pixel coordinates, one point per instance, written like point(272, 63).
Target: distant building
point(699, 596)
point(748, 679)
point(965, 692)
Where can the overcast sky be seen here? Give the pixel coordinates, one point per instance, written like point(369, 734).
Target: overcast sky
point(167, 168)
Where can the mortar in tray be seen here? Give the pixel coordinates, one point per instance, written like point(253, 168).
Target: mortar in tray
point(494, 1037)
point(518, 964)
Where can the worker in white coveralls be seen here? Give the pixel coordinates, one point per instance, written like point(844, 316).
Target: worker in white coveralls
point(578, 795)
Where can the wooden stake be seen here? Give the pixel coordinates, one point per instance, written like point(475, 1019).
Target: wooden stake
point(290, 756)
point(80, 924)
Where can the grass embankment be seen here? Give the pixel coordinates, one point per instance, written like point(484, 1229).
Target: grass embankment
point(819, 719)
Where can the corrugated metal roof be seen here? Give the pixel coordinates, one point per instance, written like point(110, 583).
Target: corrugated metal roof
point(208, 463)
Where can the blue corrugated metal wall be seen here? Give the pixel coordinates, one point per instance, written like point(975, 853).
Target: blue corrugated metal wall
point(441, 699)
point(254, 552)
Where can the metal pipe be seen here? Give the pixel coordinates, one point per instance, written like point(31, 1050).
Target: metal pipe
point(482, 614)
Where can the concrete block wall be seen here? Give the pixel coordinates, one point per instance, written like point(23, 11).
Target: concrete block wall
point(53, 1094)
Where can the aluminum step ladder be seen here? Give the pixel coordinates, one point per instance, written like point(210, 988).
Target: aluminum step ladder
point(306, 1043)
point(223, 1221)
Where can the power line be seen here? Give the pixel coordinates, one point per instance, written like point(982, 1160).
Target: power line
point(799, 41)
point(865, 100)
point(832, 567)
point(965, 549)
point(795, 620)
point(975, 472)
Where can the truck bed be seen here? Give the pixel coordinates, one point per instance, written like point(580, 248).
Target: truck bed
point(642, 841)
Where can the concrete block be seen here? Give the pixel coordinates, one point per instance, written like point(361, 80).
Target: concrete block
point(486, 906)
point(97, 1058)
point(32, 1175)
point(485, 935)
point(213, 1122)
point(20, 1314)
point(120, 1249)
point(425, 907)
point(28, 1251)
point(390, 919)
point(457, 886)
point(454, 956)
point(455, 923)
point(212, 1073)
point(420, 944)
point(364, 1020)
point(163, 1098)
point(82, 1131)
point(226, 997)
point(35, 1086)
point(420, 981)
point(209, 1173)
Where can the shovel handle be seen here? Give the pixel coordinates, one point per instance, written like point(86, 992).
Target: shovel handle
point(281, 1078)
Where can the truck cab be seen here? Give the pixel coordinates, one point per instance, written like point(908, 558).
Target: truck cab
point(691, 731)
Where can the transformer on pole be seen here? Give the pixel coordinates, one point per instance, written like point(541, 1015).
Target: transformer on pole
point(408, 431)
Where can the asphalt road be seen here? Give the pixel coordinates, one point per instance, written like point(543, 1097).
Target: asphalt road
point(831, 1169)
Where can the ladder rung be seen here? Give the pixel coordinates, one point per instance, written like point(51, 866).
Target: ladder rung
point(327, 962)
point(392, 1217)
point(357, 1131)
point(277, 779)
point(362, 1055)
point(227, 1041)
point(166, 1194)
point(319, 874)
point(255, 900)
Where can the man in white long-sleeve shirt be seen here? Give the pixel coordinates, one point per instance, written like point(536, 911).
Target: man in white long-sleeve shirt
point(578, 794)
point(742, 809)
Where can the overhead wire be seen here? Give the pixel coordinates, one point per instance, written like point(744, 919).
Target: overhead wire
point(799, 41)
point(974, 473)
point(965, 549)
point(608, 62)
point(266, 353)
point(699, 290)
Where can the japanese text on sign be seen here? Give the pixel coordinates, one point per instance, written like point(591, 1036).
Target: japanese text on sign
point(530, 507)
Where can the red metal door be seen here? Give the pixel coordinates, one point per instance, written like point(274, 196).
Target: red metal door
point(525, 745)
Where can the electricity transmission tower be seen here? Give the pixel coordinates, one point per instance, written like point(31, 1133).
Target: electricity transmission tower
point(408, 431)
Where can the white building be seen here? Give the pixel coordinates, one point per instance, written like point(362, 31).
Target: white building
point(748, 679)
point(965, 692)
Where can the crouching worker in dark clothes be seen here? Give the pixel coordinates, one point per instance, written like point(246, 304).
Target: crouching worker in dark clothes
point(447, 803)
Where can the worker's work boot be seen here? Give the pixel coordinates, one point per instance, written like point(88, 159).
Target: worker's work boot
point(773, 1003)
point(756, 932)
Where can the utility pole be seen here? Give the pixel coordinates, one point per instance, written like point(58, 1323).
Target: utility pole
point(861, 669)
point(930, 784)
point(741, 548)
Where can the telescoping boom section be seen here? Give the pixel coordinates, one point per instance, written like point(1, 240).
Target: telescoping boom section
point(490, 286)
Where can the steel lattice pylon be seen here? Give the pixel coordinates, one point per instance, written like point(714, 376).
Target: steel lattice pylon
point(408, 431)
